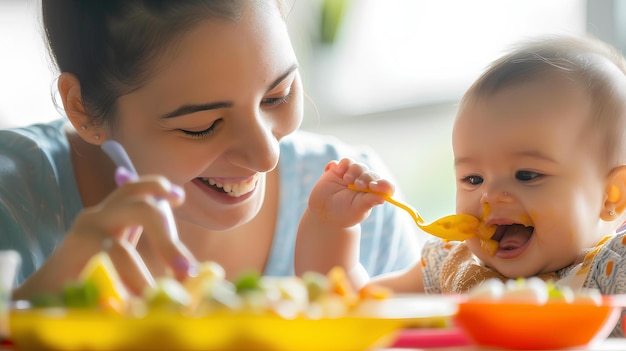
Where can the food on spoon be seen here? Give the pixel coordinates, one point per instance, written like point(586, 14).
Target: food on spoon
point(457, 227)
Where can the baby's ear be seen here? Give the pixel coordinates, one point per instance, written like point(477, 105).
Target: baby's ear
point(615, 194)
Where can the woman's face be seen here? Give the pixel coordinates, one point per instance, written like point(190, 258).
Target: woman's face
point(530, 154)
point(212, 115)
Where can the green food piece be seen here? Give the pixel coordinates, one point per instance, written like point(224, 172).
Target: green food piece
point(316, 284)
point(248, 281)
point(167, 294)
point(80, 295)
point(44, 300)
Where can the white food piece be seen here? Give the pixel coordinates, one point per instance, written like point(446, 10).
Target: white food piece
point(588, 295)
point(489, 290)
point(561, 293)
point(531, 290)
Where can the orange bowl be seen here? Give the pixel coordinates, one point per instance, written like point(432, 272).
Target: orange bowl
point(528, 326)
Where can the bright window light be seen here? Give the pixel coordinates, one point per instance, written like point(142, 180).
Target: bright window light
point(395, 53)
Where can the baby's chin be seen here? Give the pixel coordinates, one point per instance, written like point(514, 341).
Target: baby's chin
point(512, 270)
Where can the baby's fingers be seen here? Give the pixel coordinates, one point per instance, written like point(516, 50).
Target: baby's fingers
point(383, 186)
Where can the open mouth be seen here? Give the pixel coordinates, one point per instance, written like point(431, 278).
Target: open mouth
point(231, 189)
point(512, 236)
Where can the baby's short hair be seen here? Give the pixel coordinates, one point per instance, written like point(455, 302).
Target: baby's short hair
point(597, 66)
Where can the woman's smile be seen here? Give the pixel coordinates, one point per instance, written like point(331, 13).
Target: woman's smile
point(228, 190)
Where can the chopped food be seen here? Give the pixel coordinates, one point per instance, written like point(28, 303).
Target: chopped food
point(531, 290)
point(313, 295)
point(101, 273)
point(168, 294)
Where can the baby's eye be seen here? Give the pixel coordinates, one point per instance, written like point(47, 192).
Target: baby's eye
point(473, 180)
point(527, 176)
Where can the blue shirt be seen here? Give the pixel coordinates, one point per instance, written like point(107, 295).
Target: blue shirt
point(39, 199)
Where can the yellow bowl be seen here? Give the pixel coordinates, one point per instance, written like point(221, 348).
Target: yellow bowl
point(62, 329)
point(527, 326)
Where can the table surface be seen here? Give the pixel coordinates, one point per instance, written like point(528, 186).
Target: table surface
point(611, 344)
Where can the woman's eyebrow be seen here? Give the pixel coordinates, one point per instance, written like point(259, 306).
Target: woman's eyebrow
point(282, 77)
point(187, 109)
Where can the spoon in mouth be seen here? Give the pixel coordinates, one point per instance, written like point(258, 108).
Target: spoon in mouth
point(456, 227)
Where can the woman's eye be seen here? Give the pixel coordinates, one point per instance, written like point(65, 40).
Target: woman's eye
point(527, 176)
point(473, 180)
point(275, 101)
point(202, 133)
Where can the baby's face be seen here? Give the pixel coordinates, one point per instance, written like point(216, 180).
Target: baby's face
point(529, 154)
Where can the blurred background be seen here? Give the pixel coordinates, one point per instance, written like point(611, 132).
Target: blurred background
point(382, 73)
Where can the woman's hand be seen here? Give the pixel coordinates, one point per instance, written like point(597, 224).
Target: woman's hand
point(115, 225)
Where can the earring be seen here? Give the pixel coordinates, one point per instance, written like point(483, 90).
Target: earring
point(83, 127)
point(611, 213)
point(97, 137)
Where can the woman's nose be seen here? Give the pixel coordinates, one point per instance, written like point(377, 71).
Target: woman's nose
point(257, 147)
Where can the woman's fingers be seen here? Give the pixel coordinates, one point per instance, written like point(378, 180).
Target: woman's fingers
point(160, 229)
point(155, 187)
point(130, 267)
point(139, 208)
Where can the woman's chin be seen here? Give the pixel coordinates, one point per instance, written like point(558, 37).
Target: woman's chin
point(216, 220)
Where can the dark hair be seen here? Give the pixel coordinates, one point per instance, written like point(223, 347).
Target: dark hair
point(112, 45)
point(581, 59)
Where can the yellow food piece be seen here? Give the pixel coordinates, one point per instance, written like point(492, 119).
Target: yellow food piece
point(207, 272)
point(101, 272)
point(456, 227)
point(340, 285)
point(375, 292)
point(486, 232)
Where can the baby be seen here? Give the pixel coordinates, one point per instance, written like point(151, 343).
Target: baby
point(540, 157)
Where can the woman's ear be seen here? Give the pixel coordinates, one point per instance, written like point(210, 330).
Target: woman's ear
point(71, 96)
point(615, 194)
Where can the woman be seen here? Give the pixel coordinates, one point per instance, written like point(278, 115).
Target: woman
point(204, 94)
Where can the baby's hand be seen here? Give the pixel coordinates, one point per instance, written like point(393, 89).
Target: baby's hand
point(335, 204)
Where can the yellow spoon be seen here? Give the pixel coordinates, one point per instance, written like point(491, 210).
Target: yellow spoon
point(456, 227)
